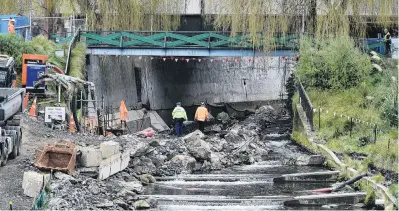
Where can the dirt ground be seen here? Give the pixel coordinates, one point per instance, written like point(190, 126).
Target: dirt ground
point(35, 136)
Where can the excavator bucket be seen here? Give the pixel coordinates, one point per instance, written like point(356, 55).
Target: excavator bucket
point(58, 157)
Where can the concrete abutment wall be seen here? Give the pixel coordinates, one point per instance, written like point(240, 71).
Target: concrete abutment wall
point(163, 83)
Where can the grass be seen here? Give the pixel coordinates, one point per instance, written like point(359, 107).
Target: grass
point(336, 129)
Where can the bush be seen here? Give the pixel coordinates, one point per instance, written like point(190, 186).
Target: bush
point(334, 63)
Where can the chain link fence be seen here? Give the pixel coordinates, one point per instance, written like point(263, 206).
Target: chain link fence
point(58, 29)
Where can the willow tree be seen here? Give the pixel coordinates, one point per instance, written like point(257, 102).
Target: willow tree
point(261, 19)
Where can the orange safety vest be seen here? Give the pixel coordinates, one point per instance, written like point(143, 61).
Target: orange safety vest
point(11, 28)
point(201, 114)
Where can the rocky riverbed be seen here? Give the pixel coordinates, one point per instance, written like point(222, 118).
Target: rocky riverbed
point(225, 143)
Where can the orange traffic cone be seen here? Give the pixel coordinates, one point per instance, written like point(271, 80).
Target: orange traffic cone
point(72, 126)
point(32, 111)
point(26, 100)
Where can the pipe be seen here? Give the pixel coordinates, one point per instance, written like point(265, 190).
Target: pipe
point(57, 69)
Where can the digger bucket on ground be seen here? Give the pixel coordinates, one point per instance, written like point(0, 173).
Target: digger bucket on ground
point(58, 157)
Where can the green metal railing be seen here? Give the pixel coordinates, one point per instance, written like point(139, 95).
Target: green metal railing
point(145, 39)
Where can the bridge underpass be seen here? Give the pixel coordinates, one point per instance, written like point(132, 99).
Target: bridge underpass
point(138, 68)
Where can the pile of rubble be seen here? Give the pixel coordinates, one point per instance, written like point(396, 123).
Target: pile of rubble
point(112, 175)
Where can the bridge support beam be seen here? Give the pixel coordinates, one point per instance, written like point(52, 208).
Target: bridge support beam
point(186, 52)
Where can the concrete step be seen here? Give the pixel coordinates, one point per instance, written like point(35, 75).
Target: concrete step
point(323, 199)
point(325, 176)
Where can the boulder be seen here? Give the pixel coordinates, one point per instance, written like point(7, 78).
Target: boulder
point(32, 183)
point(200, 150)
point(65, 177)
point(187, 162)
point(312, 160)
point(145, 166)
point(134, 186)
point(196, 135)
point(121, 203)
point(217, 144)
point(141, 205)
point(233, 137)
point(216, 161)
point(148, 177)
point(223, 117)
point(265, 109)
point(138, 149)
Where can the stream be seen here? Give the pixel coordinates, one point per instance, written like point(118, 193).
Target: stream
point(248, 187)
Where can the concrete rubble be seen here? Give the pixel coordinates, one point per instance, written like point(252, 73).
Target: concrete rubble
point(113, 171)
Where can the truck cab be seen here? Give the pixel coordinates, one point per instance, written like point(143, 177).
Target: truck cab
point(8, 75)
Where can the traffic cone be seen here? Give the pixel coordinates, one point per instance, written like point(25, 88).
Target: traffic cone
point(32, 111)
point(26, 101)
point(72, 126)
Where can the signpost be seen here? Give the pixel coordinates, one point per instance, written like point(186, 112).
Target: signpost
point(57, 113)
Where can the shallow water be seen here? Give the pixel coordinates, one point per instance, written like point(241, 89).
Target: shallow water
point(248, 187)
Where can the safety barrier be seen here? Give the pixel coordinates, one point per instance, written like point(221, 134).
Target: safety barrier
point(305, 103)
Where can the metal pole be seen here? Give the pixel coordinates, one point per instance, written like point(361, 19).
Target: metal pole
point(319, 117)
point(350, 130)
point(59, 94)
point(375, 133)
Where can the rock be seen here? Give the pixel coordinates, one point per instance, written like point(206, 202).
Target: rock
point(91, 157)
point(65, 177)
point(313, 160)
point(186, 162)
point(109, 148)
point(134, 186)
point(377, 67)
point(216, 161)
point(33, 182)
point(138, 149)
point(196, 135)
point(126, 194)
point(121, 203)
point(141, 205)
point(223, 117)
point(94, 189)
point(216, 128)
point(200, 150)
point(217, 144)
point(106, 204)
point(144, 180)
point(145, 166)
point(152, 202)
point(375, 58)
point(265, 109)
point(233, 137)
point(154, 143)
point(57, 204)
point(148, 177)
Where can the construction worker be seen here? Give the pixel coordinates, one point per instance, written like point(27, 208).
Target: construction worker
point(124, 114)
point(11, 26)
point(201, 115)
point(387, 40)
point(179, 116)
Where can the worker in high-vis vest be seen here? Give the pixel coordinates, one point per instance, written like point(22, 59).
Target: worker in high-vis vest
point(124, 114)
point(179, 116)
point(388, 42)
point(11, 26)
point(201, 115)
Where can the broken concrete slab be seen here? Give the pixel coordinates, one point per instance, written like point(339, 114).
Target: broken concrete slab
point(312, 160)
point(325, 176)
point(109, 148)
point(113, 165)
point(33, 183)
point(91, 157)
point(323, 199)
point(157, 122)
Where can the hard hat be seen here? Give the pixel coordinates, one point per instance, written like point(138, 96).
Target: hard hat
point(12, 20)
point(202, 103)
point(178, 103)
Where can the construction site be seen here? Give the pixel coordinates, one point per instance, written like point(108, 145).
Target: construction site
point(190, 105)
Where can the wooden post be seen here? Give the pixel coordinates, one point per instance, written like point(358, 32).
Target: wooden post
point(350, 128)
point(319, 117)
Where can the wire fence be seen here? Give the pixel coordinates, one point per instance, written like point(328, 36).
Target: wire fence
point(319, 118)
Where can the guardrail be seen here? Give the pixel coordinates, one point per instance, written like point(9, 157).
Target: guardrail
point(305, 103)
point(179, 39)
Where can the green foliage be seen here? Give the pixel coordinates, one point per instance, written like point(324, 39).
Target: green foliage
point(333, 63)
point(394, 190)
point(378, 178)
point(78, 61)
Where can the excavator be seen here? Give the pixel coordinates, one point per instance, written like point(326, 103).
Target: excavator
point(71, 86)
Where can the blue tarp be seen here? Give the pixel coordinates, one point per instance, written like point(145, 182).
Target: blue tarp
point(22, 25)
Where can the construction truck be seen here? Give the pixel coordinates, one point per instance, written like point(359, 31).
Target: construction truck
point(11, 107)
